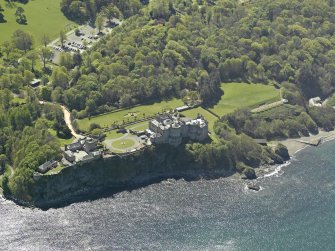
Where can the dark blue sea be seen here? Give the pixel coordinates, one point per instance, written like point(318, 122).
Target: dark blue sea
point(295, 210)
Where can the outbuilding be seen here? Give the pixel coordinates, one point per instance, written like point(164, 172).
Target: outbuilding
point(47, 166)
point(68, 155)
point(35, 83)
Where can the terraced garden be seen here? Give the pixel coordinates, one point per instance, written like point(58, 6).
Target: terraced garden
point(128, 115)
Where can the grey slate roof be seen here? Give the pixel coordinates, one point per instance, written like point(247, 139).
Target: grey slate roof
point(47, 166)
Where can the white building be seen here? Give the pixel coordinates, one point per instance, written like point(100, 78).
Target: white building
point(171, 129)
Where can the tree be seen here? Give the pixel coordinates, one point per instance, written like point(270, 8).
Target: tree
point(19, 11)
point(45, 54)
point(99, 22)
point(66, 60)
point(20, 17)
point(45, 93)
point(45, 40)
point(32, 57)
point(2, 17)
point(3, 159)
point(62, 37)
point(77, 59)
point(111, 11)
point(7, 48)
point(159, 9)
point(90, 107)
point(60, 77)
point(22, 40)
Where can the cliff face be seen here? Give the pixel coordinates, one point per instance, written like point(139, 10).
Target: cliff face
point(121, 173)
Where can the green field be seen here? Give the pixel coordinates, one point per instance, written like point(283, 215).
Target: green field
point(123, 143)
point(139, 126)
point(106, 120)
point(43, 17)
point(241, 95)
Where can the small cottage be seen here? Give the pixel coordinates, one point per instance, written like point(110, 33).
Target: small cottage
point(51, 164)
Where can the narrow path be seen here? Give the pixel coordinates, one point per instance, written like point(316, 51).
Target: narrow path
point(266, 107)
point(67, 119)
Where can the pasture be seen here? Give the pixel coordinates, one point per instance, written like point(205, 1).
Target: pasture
point(242, 95)
point(43, 17)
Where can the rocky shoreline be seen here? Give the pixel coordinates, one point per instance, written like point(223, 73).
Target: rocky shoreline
point(106, 177)
point(87, 194)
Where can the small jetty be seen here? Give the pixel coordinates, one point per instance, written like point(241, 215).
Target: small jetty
point(315, 142)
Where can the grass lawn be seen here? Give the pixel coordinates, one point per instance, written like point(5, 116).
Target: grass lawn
point(63, 142)
point(55, 170)
point(241, 95)
point(139, 126)
point(145, 125)
point(43, 17)
point(107, 120)
point(113, 135)
point(123, 143)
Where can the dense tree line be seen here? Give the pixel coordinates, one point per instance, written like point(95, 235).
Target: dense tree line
point(236, 152)
point(168, 48)
point(278, 123)
point(87, 10)
point(178, 48)
point(25, 139)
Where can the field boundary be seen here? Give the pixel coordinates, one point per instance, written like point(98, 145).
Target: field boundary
point(151, 102)
point(211, 112)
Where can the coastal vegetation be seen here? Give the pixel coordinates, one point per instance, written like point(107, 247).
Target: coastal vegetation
point(144, 167)
point(168, 52)
point(23, 130)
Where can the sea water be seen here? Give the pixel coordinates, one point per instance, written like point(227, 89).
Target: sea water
point(294, 210)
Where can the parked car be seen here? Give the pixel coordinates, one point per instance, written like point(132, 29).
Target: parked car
point(121, 130)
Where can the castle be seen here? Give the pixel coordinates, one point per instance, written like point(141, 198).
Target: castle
point(171, 129)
